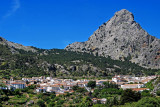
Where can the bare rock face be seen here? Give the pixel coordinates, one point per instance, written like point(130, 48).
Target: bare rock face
point(121, 37)
point(14, 46)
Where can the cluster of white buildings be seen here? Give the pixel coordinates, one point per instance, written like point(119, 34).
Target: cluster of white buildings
point(17, 84)
point(132, 82)
point(60, 86)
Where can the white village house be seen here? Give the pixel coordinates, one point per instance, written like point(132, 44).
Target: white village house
point(130, 86)
point(18, 85)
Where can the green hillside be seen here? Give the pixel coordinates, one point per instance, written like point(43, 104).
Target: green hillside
point(62, 63)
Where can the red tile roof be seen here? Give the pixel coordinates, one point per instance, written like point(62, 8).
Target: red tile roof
point(17, 83)
point(140, 89)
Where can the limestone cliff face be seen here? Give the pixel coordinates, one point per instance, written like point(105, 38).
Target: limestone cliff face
point(121, 37)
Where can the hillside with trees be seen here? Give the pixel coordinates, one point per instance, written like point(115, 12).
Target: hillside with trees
point(64, 64)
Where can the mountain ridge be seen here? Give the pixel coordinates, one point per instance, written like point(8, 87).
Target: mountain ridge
point(121, 37)
point(13, 46)
point(19, 61)
point(61, 63)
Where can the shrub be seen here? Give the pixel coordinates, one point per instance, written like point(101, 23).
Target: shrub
point(129, 96)
point(91, 84)
point(148, 102)
point(158, 92)
point(41, 103)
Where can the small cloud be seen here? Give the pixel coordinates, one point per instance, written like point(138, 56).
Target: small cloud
point(14, 8)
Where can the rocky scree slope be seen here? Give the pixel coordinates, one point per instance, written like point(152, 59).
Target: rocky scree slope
point(122, 37)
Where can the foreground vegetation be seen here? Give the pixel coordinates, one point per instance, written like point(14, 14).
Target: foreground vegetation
point(80, 97)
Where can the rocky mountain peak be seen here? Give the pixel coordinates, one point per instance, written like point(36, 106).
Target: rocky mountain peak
point(121, 37)
point(124, 16)
point(124, 12)
point(120, 18)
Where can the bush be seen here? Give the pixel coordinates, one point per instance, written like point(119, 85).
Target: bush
point(75, 88)
point(60, 102)
point(18, 100)
point(145, 93)
point(148, 102)
point(52, 96)
point(158, 92)
point(51, 104)
point(99, 105)
point(91, 84)
point(40, 103)
point(129, 96)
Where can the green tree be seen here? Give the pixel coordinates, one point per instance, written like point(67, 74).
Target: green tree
point(53, 95)
point(60, 102)
point(51, 104)
point(99, 105)
point(115, 100)
point(17, 92)
point(91, 84)
point(148, 102)
point(86, 102)
point(96, 93)
point(129, 96)
point(145, 93)
point(75, 87)
point(158, 92)
point(41, 103)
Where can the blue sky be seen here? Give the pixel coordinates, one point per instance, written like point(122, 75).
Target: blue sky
point(56, 23)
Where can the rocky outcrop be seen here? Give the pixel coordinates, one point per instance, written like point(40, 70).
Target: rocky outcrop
point(156, 85)
point(14, 46)
point(122, 37)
